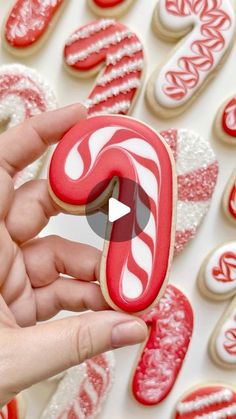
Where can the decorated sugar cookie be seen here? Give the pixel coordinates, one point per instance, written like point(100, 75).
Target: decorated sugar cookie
point(197, 170)
point(110, 8)
point(107, 151)
point(171, 326)
point(211, 401)
point(229, 199)
point(116, 53)
point(83, 390)
point(206, 32)
point(15, 409)
point(217, 276)
point(29, 23)
point(222, 345)
point(23, 93)
point(225, 122)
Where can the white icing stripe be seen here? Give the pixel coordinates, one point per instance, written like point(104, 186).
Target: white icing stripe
point(231, 117)
point(90, 30)
point(187, 211)
point(125, 87)
point(74, 165)
point(227, 412)
point(127, 68)
point(118, 107)
point(89, 389)
point(103, 43)
point(128, 50)
point(225, 395)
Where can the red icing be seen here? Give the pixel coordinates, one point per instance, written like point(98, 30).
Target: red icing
point(199, 394)
point(230, 341)
point(232, 201)
point(108, 3)
point(171, 325)
point(28, 21)
point(225, 272)
point(10, 411)
point(100, 58)
point(229, 118)
point(112, 161)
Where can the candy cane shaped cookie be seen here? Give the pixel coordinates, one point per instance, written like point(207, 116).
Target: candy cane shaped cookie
point(210, 26)
point(171, 326)
point(15, 409)
point(83, 390)
point(211, 401)
point(197, 170)
point(94, 160)
point(114, 49)
point(229, 199)
point(217, 275)
point(29, 23)
point(23, 93)
point(110, 8)
point(225, 122)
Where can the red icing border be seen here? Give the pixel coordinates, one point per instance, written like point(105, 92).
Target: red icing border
point(230, 107)
point(104, 4)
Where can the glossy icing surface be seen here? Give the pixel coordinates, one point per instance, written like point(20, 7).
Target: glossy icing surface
point(108, 3)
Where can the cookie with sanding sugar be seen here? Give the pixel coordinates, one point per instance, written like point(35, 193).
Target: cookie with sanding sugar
point(29, 24)
point(229, 199)
point(209, 401)
point(15, 409)
point(206, 32)
point(170, 329)
point(108, 151)
point(110, 8)
point(225, 122)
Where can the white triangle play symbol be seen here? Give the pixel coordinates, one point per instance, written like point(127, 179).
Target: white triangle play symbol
point(116, 209)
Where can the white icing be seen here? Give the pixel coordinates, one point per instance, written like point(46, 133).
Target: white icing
point(213, 284)
point(190, 214)
point(119, 107)
point(127, 50)
point(142, 255)
point(231, 117)
point(201, 402)
point(98, 140)
point(89, 30)
point(74, 165)
point(124, 70)
point(222, 339)
point(227, 412)
point(176, 23)
point(131, 285)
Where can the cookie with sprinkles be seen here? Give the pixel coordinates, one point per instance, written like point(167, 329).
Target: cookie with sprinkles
point(110, 8)
point(114, 52)
point(225, 122)
point(229, 199)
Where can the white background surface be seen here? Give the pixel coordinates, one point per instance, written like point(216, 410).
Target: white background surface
point(215, 229)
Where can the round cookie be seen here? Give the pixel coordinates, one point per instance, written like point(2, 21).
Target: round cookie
point(229, 199)
point(162, 356)
point(225, 122)
point(115, 52)
point(29, 24)
point(206, 31)
point(23, 94)
point(106, 150)
point(110, 8)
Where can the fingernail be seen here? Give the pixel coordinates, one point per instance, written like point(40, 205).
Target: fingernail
point(128, 333)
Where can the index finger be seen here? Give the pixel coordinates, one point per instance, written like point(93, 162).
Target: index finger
point(21, 145)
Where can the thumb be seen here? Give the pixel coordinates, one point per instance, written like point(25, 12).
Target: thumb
point(36, 353)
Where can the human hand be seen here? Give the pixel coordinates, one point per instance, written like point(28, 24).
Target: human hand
point(32, 287)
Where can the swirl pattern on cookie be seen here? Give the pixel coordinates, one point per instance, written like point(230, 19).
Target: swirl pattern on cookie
point(197, 171)
point(210, 26)
point(118, 51)
point(110, 149)
point(29, 20)
point(207, 402)
point(171, 326)
point(229, 118)
point(23, 94)
point(229, 199)
point(83, 390)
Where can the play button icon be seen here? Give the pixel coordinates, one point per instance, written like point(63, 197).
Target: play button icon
point(117, 210)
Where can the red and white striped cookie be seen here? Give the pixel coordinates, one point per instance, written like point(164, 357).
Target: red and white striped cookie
point(29, 23)
point(225, 122)
point(212, 401)
point(171, 326)
point(110, 8)
point(94, 160)
point(23, 93)
point(83, 390)
point(116, 53)
point(15, 409)
point(229, 199)
point(197, 170)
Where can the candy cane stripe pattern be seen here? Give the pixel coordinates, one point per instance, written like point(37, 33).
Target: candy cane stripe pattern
point(15, 409)
point(83, 390)
point(171, 326)
point(114, 50)
point(23, 94)
point(110, 8)
point(225, 122)
point(197, 171)
point(210, 26)
point(28, 24)
point(229, 199)
point(104, 150)
point(212, 401)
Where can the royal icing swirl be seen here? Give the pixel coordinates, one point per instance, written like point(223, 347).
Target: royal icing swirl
point(232, 201)
point(23, 94)
point(224, 338)
point(98, 150)
point(112, 45)
point(208, 402)
point(212, 26)
point(83, 390)
point(10, 411)
point(229, 118)
point(197, 171)
point(28, 20)
point(171, 326)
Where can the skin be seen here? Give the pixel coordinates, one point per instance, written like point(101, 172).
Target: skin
point(32, 286)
